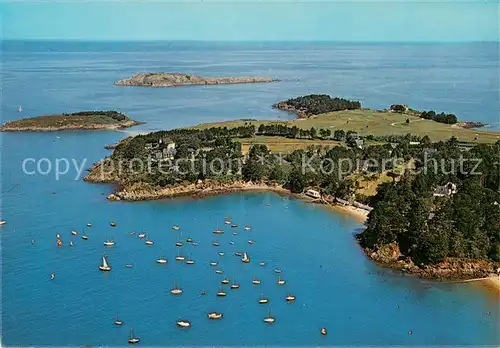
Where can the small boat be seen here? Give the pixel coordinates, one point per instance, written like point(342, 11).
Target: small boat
point(218, 230)
point(141, 235)
point(189, 240)
point(132, 233)
point(70, 243)
point(59, 243)
point(74, 233)
point(109, 243)
point(33, 242)
point(245, 258)
point(234, 225)
point(89, 225)
point(2, 222)
point(323, 331)
point(162, 259)
point(231, 242)
point(52, 276)
point(215, 315)
point(215, 243)
point(277, 270)
point(132, 339)
point(269, 319)
point(213, 263)
point(255, 281)
point(203, 293)
point(183, 323)
point(20, 109)
point(179, 257)
point(178, 243)
point(221, 292)
point(262, 263)
point(149, 242)
point(112, 224)
point(290, 298)
point(84, 236)
point(221, 253)
point(194, 243)
point(104, 265)
point(176, 227)
point(247, 228)
point(280, 281)
point(118, 322)
point(225, 281)
point(238, 253)
point(128, 265)
point(227, 222)
point(234, 285)
point(235, 233)
point(250, 241)
point(219, 271)
point(176, 290)
point(58, 236)
point(263, 299)
point(189, 261)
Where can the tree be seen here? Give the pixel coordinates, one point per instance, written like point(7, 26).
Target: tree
point(339, 135)
point(296, 181)
point(253, 170)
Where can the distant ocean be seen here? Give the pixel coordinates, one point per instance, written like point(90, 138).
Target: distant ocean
point(336, 286)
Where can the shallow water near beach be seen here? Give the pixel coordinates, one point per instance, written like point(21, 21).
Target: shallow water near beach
point(335, 285)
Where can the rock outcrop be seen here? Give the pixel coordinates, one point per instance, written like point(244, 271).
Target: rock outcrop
point(164, 79)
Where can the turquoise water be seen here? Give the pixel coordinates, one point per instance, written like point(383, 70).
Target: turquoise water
point(335, 285)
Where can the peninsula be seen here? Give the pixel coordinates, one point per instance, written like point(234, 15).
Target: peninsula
point(83, 120)
point(165, 79)
point(434, 225)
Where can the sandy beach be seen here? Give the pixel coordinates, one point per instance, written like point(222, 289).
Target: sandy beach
point(360, 214)
point(493, 283)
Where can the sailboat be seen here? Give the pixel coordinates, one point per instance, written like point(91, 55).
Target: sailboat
point(176, 290)
point(255, 281)
point(235, 285)
point(263, 299)
point(179, 257)
point(247, 228)
point(176, 227)
point(280, 281)
point(213, 263)
point(162, 259)
point(148, 241)
point(89, 225)
point(52, 276)
point(112, 224)
point(218, 230)
point(219, 271)
point(20, 109)
point(189, 261)
point(250, 241)
point(225, 281)
point(227, 222)
point(323, 331)
point(118, 322)
point(290, 298)
point(179, 242)
point(238, 253)
point(221, 253)
point(104, 265)
point(109, 243)
point(231, 242)
point(84, 236)
point(215, 243)
point(234, 225)
point(269, 319)
point(215, 315)
point(277, 270)
point(132, 339)
point(189, 240)
point(141, 235)
point(245, 258)
point(70, 243)
point(262, 263)
point(221, 292)
point(2, 222)
point(74, 232)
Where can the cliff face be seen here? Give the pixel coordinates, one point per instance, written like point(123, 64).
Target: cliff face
point(161, 79)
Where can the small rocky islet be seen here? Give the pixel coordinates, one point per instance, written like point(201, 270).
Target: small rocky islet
point(166, 79)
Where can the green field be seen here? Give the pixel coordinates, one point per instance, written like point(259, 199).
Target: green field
point(370, 122)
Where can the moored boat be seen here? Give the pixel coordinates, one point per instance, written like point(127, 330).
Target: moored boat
point(234, 285)
point(245, 258)
point(221, 292)
point(109, 243)
point(132, 339)
point(247, 228)
point(215, 243)
point(162, 259)
point(141, 235)
point(255, 281)
point(225, 281)
point(290, 298)
point(176, 227)
point(189, 261)
point(219, 271)
point(74, 232)
point(221, 253)
point(215, 315)
point(323, 331)
point(112, 224)
point(118, 322)
point(269, 319)
point(104, 266)
point(183, 323)
point(280, 281)
point(263, 299)
point(176, 290)
point(213, 263)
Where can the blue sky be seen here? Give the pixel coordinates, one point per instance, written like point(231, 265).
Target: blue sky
point(238, 20)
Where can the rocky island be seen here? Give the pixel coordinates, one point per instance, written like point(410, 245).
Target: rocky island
point(165, 79)
point(83, 120)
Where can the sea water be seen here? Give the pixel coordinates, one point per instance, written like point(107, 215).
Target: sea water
point(336, 286)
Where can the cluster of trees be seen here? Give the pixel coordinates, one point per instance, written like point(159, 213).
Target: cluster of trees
point(441, 118)
point(315, 104)
point(427, 228)
point(118, 116)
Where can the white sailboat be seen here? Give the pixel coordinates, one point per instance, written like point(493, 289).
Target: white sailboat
point(176, 290)
point(20, 109)
point(221, 253)
point(245, 258)
point(263, 299)
point(269, 319)
point(74, 232)
point(221, 292)
point(109, 243)
point(118, 322)
point(219, 271)
point(176, 227)
point(148, 242)
point(235, 285)
point(105, 267)
point(255, 281)
point(247, 228)
point(179, 242)
point(280, 281)
point(132, 339)
point(183, 323)
point(213, 263)
point(179, 257)
point(141, 235)
point(290, 298)
point(162, 259)
point(218, 230)
point(189, 261)
point(2, 222)
point(225, 281)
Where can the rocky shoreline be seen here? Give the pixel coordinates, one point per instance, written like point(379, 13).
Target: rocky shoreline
point(164, 79)
point(12, 127)
point(451, 269)
point(283, 105)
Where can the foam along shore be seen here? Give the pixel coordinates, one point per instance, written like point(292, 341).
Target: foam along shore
point(166, 79)
point(84, 120)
